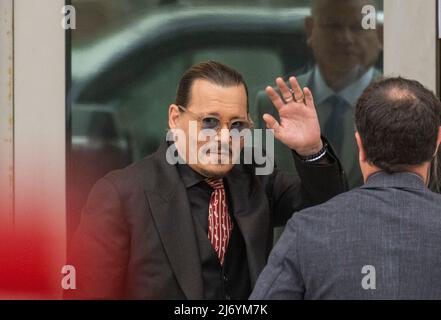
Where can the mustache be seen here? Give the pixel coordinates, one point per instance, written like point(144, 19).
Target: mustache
point(219, 148)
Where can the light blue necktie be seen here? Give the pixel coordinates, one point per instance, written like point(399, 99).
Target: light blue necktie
point(334, 127)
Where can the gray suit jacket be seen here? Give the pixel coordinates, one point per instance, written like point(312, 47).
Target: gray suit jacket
point(379, 241)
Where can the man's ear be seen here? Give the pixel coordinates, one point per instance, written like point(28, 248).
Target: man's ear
point(362, 153)
point(438, 141)
point(309, 25)
point(173, 116)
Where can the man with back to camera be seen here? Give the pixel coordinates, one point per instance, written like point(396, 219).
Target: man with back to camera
point(382, 240)
point(201, 230)
point(344, 55)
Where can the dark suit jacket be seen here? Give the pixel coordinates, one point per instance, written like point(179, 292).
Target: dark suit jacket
point(136, 238)
point(392, 223)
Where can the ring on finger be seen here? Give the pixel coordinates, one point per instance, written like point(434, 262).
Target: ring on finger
point(289, 99)
point(300, 99)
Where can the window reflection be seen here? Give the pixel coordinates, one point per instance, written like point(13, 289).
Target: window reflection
point(128, 56)
point(347, 59)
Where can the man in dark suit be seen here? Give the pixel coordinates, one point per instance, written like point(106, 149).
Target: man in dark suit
point(382, 240)
point(344, 57)
point(201, 229)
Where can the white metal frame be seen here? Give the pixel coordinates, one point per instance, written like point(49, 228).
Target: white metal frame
point(6, 113)
point(39, 123)
point(410, 38)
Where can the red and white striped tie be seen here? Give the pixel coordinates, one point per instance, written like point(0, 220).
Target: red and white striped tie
point(219, 221)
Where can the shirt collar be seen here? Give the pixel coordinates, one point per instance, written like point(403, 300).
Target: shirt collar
point(350, 93)
point(189, 177)
point(405, 180)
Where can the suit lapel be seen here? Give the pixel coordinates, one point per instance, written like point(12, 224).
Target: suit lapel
point(251, 212)
point(170, 209)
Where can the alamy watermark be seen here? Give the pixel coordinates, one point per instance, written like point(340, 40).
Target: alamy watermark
point(369, 281)
point(369, 20)
point(69, 20)
point(209, 146)
point(68, 282)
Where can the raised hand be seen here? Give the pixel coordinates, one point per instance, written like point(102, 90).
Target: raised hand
point(299, 128)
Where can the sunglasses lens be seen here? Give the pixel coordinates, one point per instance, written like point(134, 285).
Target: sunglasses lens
point(239, 125)
point(210, 123)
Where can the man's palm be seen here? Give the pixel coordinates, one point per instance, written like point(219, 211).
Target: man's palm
point(299, 127)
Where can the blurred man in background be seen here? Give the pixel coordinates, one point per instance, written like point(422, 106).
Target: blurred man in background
point(345, 55)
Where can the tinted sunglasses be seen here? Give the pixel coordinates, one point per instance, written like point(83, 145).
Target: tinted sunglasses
point(214, 123)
